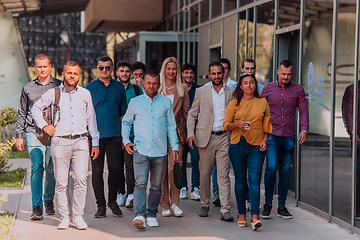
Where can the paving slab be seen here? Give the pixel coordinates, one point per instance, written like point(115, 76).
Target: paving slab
point(304, 225)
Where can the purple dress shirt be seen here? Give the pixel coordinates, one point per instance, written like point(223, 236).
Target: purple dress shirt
point(283, 102)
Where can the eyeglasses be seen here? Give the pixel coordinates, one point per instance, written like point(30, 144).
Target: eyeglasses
point(247, 74)
point(107, 68)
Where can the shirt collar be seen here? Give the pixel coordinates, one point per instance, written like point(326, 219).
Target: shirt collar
point(51, 80)
point(63, 89)
point(149, 98)
point(221, 90)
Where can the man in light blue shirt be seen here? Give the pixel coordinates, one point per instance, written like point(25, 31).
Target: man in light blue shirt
point(153, 119)
point(69, 143)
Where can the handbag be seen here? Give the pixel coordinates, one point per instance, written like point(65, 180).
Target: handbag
point(180, 128)
point(177, 176)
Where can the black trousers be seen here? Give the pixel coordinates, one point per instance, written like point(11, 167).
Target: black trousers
point(112, 147)
point(129, 173)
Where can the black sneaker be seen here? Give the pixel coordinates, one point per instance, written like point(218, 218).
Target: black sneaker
point(226, 217)
point(49, 207)
point(284, 213)
point(216, 202)
point(37, 213)
point(266, 210)
point(115, 209)
point(204, 211)
point(101, 212)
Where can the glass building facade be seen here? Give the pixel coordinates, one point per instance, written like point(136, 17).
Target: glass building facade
point(321, 39)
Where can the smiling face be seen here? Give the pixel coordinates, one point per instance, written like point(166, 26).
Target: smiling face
point(188, 75)
point(123, 73)
point(284, 75)
point(248, 85)
point(170, 71)
point(71, 75)
point(216, 75)
point(42, 68)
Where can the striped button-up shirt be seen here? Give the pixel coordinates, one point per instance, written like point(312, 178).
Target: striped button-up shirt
point(283, 102)
point(347, 109)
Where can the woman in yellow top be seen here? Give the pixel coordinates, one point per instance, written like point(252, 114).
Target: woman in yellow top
point(247, 116)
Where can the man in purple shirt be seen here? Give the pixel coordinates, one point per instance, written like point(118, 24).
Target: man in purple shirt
point(284, 96)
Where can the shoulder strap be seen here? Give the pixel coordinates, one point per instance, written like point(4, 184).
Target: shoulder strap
point(56, 103)
point(136, 90)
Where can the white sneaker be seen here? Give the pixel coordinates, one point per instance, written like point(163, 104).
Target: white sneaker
point(121, 200)
point(195, 194)
point(139, 222)
point(183, 193)
point(80, 223)
point(176, 210)
point(152, 222)
point(65, 222)
point(130, 201)
point(166, 213)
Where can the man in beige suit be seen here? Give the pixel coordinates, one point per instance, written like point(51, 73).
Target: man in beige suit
point(207, 113)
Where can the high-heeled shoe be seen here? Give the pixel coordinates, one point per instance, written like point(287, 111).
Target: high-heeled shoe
point(255, 224)
point(241, 223)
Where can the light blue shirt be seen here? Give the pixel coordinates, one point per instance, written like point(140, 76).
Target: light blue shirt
point(153, 121)
point(76, 113)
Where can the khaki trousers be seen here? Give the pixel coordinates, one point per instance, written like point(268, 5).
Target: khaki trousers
point(217, 147)
point(168, 186)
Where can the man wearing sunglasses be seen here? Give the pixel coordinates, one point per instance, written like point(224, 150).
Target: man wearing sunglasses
point(109, 100)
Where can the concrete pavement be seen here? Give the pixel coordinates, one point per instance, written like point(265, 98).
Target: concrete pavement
point(304, 225)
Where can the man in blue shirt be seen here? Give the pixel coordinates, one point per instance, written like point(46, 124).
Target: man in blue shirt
point(188, 74)
point(123, 73)
point(109, 100)
point(152, 117)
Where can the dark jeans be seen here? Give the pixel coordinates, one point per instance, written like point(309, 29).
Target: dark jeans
point(129, 172)
point(279, 154)
point(115, 161)
point(247, 158)
point(195, 174)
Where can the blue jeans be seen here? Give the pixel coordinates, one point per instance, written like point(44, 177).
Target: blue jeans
point(195, 174)
point(279, 154)
point(144, 165)
point(247, 158)
point(40, 156)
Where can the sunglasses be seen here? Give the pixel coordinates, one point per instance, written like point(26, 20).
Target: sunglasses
point(107, 68)
point(247, 74)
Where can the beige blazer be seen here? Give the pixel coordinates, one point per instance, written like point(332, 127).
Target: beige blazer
point(202, 112)
point(181, 103)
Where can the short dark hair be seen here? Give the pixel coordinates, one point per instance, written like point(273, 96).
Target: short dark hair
point(188, 66)
point(226, 61)
point(249, 60)
point(138, 65)
point(216, 63)
point(70, 63)
point(123, 63)
point(153, 74)
point(106, 59)
point(285, 63)
point(42, 57)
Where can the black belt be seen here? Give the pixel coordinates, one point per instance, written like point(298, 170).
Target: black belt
point(71, 137)
point(218, 132)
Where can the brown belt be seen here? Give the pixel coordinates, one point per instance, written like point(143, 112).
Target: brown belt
point(71, 137)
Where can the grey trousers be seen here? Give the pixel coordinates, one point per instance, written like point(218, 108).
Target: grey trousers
point(66, 152)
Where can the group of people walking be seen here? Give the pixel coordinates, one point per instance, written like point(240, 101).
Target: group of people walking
point(146, 124)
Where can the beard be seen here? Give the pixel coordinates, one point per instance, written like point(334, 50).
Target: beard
point(215, 83)
point(68, 83)
point(124, 81)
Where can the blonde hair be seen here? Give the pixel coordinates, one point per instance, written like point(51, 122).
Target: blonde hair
point(179, 88)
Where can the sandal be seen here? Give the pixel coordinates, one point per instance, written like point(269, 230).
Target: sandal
point(241, 223)
point(255, 224)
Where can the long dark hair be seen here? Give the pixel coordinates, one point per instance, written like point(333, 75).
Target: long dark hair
point(238, 93)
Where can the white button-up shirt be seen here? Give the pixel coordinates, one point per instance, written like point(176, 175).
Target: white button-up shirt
point(218, 101)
